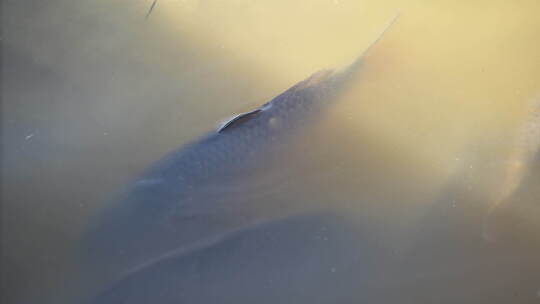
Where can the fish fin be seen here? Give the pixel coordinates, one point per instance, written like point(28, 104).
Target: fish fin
point(151, 9)
point(357, 63)
point(327, 80)
point(318, 81)
point(313, 80)
point(237, 120)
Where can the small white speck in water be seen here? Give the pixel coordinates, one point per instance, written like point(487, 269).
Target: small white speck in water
point(29, 136)
point(538, 294)
point(333, 269)
point(105, 133)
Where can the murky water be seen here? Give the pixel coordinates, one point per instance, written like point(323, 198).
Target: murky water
point(421, 184)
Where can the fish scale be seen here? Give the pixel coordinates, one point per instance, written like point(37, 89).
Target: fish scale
point(177, 202)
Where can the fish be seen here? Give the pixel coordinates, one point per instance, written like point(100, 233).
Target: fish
point(524, 151)
point(185, 197)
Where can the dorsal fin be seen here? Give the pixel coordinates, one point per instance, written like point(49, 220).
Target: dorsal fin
point(237, 120)
point(313, 80)
point(320, 83)
point(330, 81)
point(355, 66)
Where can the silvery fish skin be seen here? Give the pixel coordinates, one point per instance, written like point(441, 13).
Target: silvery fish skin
point(181, 200)
point(173, 203)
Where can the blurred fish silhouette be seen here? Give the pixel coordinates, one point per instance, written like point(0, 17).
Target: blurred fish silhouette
point(525, 148)
point(182, 199)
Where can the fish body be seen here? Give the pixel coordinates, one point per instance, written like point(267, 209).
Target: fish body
point(184, 197)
